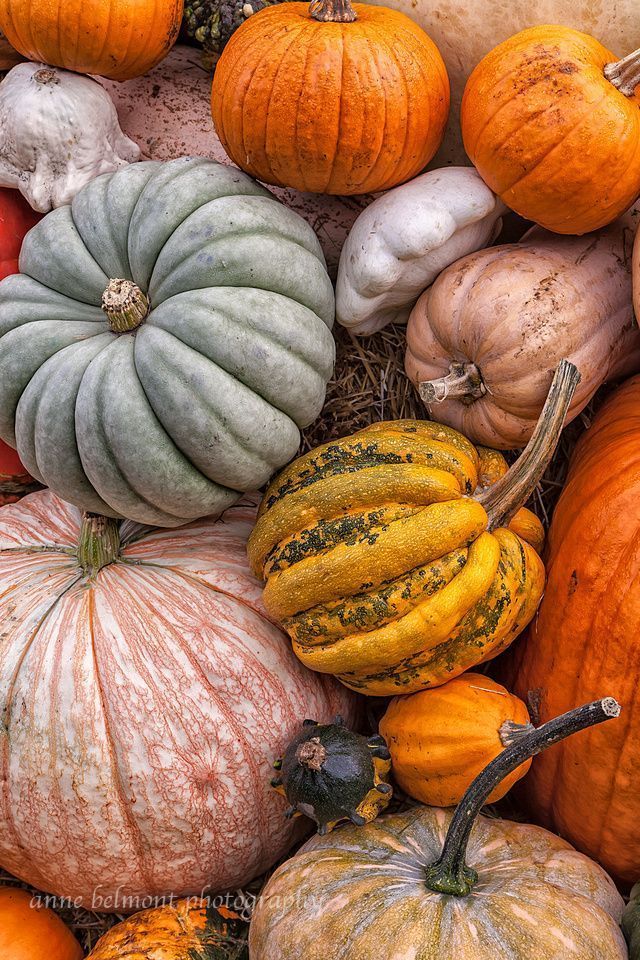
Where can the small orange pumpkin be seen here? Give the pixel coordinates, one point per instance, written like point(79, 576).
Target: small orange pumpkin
point(120, 39)
point(550, 119)
point(32, 932)
point(440, 739)
point(321, 100)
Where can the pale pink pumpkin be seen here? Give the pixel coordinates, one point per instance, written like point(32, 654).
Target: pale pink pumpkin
point(142, 709)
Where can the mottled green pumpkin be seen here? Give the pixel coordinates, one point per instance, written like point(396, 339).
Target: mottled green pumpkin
point(167, 337)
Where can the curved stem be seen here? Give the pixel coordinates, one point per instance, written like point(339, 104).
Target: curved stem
point(332, 11)
point(463, 382)
point(450, 873)
point(125, 305)
point(99, 543)
point(503, 500)
point(625, 74)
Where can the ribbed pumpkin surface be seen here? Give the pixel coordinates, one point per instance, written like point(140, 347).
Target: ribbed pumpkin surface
point(142, 710)
point(585, 641)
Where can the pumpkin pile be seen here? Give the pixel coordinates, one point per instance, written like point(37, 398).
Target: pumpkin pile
point(219, 636)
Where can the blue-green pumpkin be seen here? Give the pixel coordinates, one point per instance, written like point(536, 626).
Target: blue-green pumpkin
point(166, 339)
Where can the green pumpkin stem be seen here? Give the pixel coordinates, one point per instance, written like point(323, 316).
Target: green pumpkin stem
point(125, 305)
point(625, 74)
point(463, 382)
point(332, 11)
point(99, 543)
point(504, 498)
point(450, 874)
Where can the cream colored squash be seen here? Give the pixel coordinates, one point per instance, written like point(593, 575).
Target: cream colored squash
point(465, 32)
point(59, 130)
point(405, 238)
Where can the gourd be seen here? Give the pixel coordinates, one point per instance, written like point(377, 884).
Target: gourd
point(211, 348)
point(168, 112)
point(330, 773)
point(212, 23)
point(404, 239)
point(315, 98)
point(184, 930)
point(441, 739)
point(590, 613)
point(384, 567)
point(550, 120)
point(483, 341)
point(61, 130)
point(113, 38)
point(29, 931)
point(16, 219)
point(144, 694)
point(493, 889)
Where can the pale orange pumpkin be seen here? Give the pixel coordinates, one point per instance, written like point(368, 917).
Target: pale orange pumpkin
point(120, 39)
point(31, 931)
point(322, 101)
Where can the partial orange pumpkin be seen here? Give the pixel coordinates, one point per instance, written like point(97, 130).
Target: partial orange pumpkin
point(339, 100)
point(551, 120)
point(32, 932)
point(119, 39)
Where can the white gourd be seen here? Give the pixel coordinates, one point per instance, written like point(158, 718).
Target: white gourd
point(404, 239)
point(59, 130)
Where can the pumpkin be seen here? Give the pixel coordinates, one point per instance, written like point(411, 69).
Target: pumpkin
point(404, 239)
point(631, 923)
point(61, 131)
point(114, 38)
point(16, 219)
point(440, 739)
point(385, 569)
point(316, 99)
point(590, 613)
point(550, 120)
point(145, 694)
point(212, 347)
point(636, 276)
point(330, 773)
point(190, 929)
point(30, 931)
point(492, 890)
point(483, 341)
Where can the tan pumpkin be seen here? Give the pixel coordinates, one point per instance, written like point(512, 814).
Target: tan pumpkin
point(484, 340)
point(430, 884)
point(441, 739)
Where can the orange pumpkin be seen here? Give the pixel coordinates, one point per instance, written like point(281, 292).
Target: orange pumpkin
point(320, 100)
point(585, 638)
point(550, 119)
point(440, 739)
point(119, 39)
point(29, 931)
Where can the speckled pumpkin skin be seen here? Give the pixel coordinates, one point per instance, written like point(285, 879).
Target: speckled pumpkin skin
point(360, 893)
point(379, 563)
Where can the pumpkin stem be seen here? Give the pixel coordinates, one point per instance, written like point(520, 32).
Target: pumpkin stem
point(625, 74)
point(332, 11)
point(311, 754)
point(503, 500)
point(511, 732)
point(125, 305)
point(99, 543)
point(463, 382)
point(450, 873)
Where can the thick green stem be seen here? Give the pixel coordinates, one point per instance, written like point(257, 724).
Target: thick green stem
point(99, 543)
point(125, 305)
point(332, 11)
point(463, 382)
point(625, 74)
point(504, 498)
point(450, 873)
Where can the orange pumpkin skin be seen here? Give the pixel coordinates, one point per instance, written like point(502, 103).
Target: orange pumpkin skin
point(585, 639)
point(32, 932)
point(119, 39)
point(330, 107)
point(549, 133)
point(440, 739)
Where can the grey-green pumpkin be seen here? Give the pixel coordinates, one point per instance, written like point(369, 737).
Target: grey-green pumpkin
point(164, 397)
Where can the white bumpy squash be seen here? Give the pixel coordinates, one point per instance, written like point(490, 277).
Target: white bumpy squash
point(404, 239)
point(145, 695)
point(59, 130)
point(212, 347)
